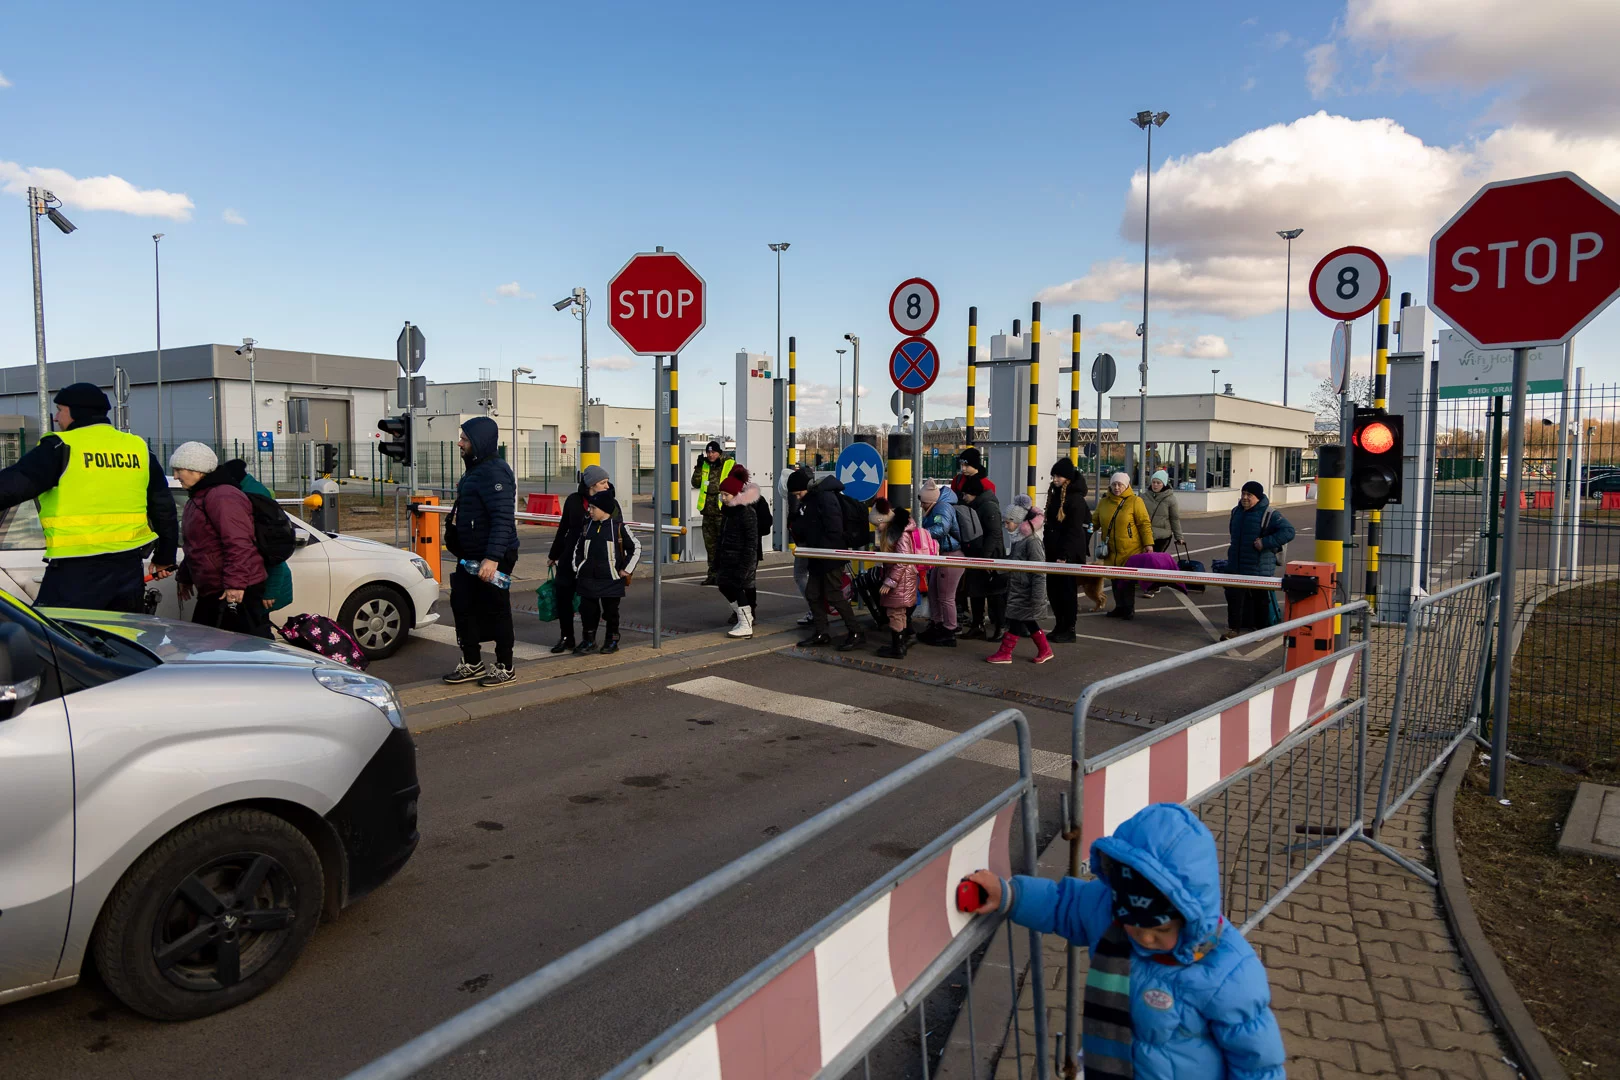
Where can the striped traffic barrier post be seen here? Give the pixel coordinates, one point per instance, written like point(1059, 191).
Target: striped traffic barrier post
point(1375, 518)
point(675, 450)
point(972, 373)
point(590, 449)
point(793, 403)
point(899, 470)
point(1074, 393)
point(1330, 510)
point(1033, 450)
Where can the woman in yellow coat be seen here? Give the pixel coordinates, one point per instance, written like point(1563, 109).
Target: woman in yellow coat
point(1124, 528)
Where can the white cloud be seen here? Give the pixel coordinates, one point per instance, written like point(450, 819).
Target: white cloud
point(5, 83)
point(1555, 60)
point(513, 291)
point(613, 363)
point(1279, 38)
point(1321, 68)
point(1369, 182)
point(1248, 84)
point(97, 192)
point(1118, 330)
point(1202, 347)
point(232, 217)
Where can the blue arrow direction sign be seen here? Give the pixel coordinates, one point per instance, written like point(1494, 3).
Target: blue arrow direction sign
point(860, 470)
point(914, 365)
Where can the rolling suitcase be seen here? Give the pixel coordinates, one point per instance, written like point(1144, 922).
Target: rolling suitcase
point(1185, 561)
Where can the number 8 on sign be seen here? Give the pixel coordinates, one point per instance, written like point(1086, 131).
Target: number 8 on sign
point(1348, 283)
point(913, 307)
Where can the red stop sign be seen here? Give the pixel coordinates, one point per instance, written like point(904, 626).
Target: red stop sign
point(656, 303)
point(1526, 263)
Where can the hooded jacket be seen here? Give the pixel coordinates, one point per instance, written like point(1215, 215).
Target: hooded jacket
point(218, 533)
point(1068, 540)
point(940, 521)
point(818, 520)
point(605, 554)
point(1210, 1015)
point(1246, 526)
point(572, 524)
point(486, 498)
point(736, 559)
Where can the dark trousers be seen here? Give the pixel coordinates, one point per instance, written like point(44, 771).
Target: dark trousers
point(741, 597)
point(1063, 592)
point(1124, 596)
point(249, 617)
point(563, 589)
point(996, 603)
point(483, 612)
point(826, 587)
point(103, 582)
point(593, 610)
point(1023, 627)
point(711, 541)
point(1248, 609)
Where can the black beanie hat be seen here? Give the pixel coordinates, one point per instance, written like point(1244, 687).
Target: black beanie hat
point(971, 456)
point(798, 481)
point(1137, 901)
point(973, 485)
point(83, 395)
point(1065, 468)
point(714, 445)
point(1253, 488)
point(605, 502)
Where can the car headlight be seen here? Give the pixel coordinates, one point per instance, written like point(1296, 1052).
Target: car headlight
point(421, 565)
point(366, 688)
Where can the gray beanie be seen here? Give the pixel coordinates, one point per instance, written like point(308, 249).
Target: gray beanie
point(196, 456)
point(593, 475)
point(1015, 514)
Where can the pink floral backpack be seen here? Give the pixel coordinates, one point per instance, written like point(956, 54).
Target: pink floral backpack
point(324, 637)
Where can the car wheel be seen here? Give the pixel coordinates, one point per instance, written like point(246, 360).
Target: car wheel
point(211, 916)
point(376, 616)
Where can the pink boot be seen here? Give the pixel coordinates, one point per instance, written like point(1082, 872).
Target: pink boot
point(1003, 655)
point(1043, 648)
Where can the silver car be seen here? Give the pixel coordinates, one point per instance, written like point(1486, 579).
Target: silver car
point(184, 805)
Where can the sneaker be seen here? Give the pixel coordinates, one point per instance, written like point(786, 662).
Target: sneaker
point(586, 646)
point(610, 647)
point(466, 673)
point(498, 675)
point(562, 646)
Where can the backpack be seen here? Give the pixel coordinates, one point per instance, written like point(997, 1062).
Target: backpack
point(273, 534)
point(323, 637)
point(923, 543)
point(967, 524)
point(857, 529)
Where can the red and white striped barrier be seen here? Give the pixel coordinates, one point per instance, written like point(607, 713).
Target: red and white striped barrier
point(1180, 766)
point(798, 1022)
point(1016, 566)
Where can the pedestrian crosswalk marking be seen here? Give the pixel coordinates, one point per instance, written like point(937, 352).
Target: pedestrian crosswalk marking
point(900, 730)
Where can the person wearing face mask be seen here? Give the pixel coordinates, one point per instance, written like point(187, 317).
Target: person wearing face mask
point(1124, 528)
point(592, 480)
point(104, 503)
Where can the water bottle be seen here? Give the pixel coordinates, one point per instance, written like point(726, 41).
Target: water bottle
point(502, 581)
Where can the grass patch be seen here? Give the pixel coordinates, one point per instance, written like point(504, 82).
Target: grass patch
point(1566, 678)
point(1553, 919)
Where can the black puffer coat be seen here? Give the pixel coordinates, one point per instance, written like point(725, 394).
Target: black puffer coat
point(817, 520)
point(1068, 540)
point(737, 558)
point(1261, 523)
point(486, 498)
point(992, 545)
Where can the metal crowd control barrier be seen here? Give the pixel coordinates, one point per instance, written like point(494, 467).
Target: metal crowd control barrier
point(1302, 723)
point(820, 1003)
point(1017, 566)
point(1437, 698)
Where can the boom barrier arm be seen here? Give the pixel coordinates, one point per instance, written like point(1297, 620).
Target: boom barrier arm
point(1017, 566)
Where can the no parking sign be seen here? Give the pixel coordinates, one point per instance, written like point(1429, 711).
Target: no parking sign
point(914, 365)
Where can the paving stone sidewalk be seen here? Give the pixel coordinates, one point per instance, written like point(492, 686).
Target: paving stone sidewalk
point(1365, 977)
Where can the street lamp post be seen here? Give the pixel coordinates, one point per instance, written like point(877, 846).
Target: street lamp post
point(854, 389)
point(1147, 121)
point(722, 416)
point(841, 398)
point(253, 401)
point(1289, 235)
point(42, 203)
point(1214, 371)
point(778, 248)
point(157, 321)
point(512, 457)
point(581, 305)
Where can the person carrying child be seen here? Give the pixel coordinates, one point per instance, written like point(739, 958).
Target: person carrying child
point(1174, 992)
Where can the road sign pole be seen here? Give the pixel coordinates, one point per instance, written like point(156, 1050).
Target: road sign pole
point(1097, 494)
point(1347, 424)
point(1506, 609)
point(658, 511)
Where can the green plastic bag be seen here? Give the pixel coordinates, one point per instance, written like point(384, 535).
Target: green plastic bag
point(545, 599)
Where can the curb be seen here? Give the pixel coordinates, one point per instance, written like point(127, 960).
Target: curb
point(1535, 1056)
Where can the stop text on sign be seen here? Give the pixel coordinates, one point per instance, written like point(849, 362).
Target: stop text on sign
point(664, 302)
point(1543, 250)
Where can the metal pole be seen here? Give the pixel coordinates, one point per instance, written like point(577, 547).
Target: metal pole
point(157, 306)
point(1574, 564)
point(840, 353)
point(722, 416)
point(658, 510)
point(36, 207)
point(1288, 311)
point(1432, 440)
point(253, 410)
point(584, 367)
point(1347, 423)
point(1147, 229)
point(855, 391)
point(410, 422)
point(1508, 609)
point(1560, 473)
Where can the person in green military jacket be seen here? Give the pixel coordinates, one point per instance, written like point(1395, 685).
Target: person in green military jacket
point(707, 475)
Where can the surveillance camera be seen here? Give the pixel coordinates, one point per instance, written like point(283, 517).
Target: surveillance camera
point(238, 352)
point(564, 303)
point(60, 220)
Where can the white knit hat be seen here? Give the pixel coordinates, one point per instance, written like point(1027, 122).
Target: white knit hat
point(196, 456)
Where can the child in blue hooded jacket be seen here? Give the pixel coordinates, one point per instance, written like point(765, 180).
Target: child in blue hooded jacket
point(1174, 992)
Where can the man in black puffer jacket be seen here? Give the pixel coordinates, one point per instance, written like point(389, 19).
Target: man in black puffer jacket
point(485, 545)
point(817, 521)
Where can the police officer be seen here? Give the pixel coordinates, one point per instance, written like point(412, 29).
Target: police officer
point(103, 501)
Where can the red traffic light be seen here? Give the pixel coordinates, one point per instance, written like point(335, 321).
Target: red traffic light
point(1376, 438)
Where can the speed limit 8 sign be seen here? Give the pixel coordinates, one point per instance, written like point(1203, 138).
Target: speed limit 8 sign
point(1348, 283)
point(914, 306)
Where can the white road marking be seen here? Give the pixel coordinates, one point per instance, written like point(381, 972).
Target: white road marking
point(1203, 620)
point(899, 730)
point(446, 635)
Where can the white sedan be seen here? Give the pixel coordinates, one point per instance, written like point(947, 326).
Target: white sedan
point(376, 592)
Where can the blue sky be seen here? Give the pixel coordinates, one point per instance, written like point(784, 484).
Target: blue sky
point(323, 172)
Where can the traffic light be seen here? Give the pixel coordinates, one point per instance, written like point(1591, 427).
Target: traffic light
point(329, 458)
point(398, 428)
point(1375, 476)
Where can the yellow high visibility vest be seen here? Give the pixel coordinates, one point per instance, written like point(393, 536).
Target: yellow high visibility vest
point(708, 471)
point(99, 504)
